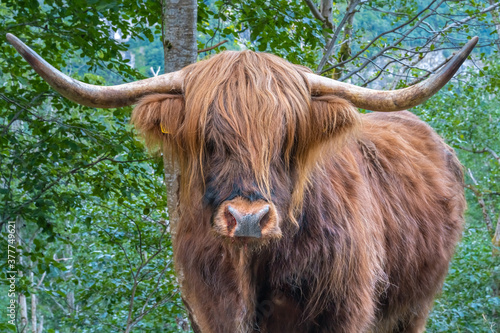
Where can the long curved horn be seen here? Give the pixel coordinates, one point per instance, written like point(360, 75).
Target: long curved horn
point(97, 96)
point(394, 100)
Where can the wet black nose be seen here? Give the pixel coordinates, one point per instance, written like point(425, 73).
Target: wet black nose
point(248, 225)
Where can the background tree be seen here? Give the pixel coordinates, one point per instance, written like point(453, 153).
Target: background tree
point(90, 203)
point(180, 46)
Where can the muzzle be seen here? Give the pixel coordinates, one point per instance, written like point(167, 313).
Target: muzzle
point(241, 218)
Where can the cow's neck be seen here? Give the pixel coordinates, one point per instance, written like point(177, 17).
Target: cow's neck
point(246, 267)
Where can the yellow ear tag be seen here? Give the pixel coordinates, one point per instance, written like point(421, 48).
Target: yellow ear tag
point(163, 130)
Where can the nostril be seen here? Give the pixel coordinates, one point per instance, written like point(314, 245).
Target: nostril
point(262, 216)
point(233, 217)
point(231, 223)
point(263, 220)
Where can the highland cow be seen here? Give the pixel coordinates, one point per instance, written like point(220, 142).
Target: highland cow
point(297, 213)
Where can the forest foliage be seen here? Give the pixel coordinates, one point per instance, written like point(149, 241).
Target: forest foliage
point(94, 243)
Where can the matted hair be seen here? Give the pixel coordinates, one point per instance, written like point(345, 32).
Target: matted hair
point(256, 106)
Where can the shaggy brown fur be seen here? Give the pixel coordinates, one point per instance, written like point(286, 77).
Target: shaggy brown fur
point(369, 207)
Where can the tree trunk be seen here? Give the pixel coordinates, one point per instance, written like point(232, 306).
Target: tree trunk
point(180, 49)
point(23, 309)
point(496, 238)
point(496, 20)
point(330, 45)
point(68, 253)
point(33, 310)
point(40, 325)
point(345, 49)
point(179, 32)
point(326, 9)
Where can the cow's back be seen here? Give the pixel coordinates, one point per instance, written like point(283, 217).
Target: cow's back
point(416, 181)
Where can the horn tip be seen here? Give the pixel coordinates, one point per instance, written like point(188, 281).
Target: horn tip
point(469, 46)
point(10, 37)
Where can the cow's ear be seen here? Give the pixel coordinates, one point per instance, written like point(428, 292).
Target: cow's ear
point(157, 118)
point(333, 117)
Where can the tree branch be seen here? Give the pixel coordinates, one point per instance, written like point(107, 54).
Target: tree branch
point(404, 36)
point(429, 72)
point(481, 151)
point(467, 19)
point(130, 161)
point(22, 107)
point(41, 280)
point(212, 47)
point(329, 48)
point(377, 38)
point(55, 182)
point(316, 13)
point(65, 311)
point(496, 21)
point(482, 204)
point(157, 304)
point(496, 239)
point(160, 277)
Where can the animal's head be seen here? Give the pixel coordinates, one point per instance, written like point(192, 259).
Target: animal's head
point(245, 127)
point(246, 131)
